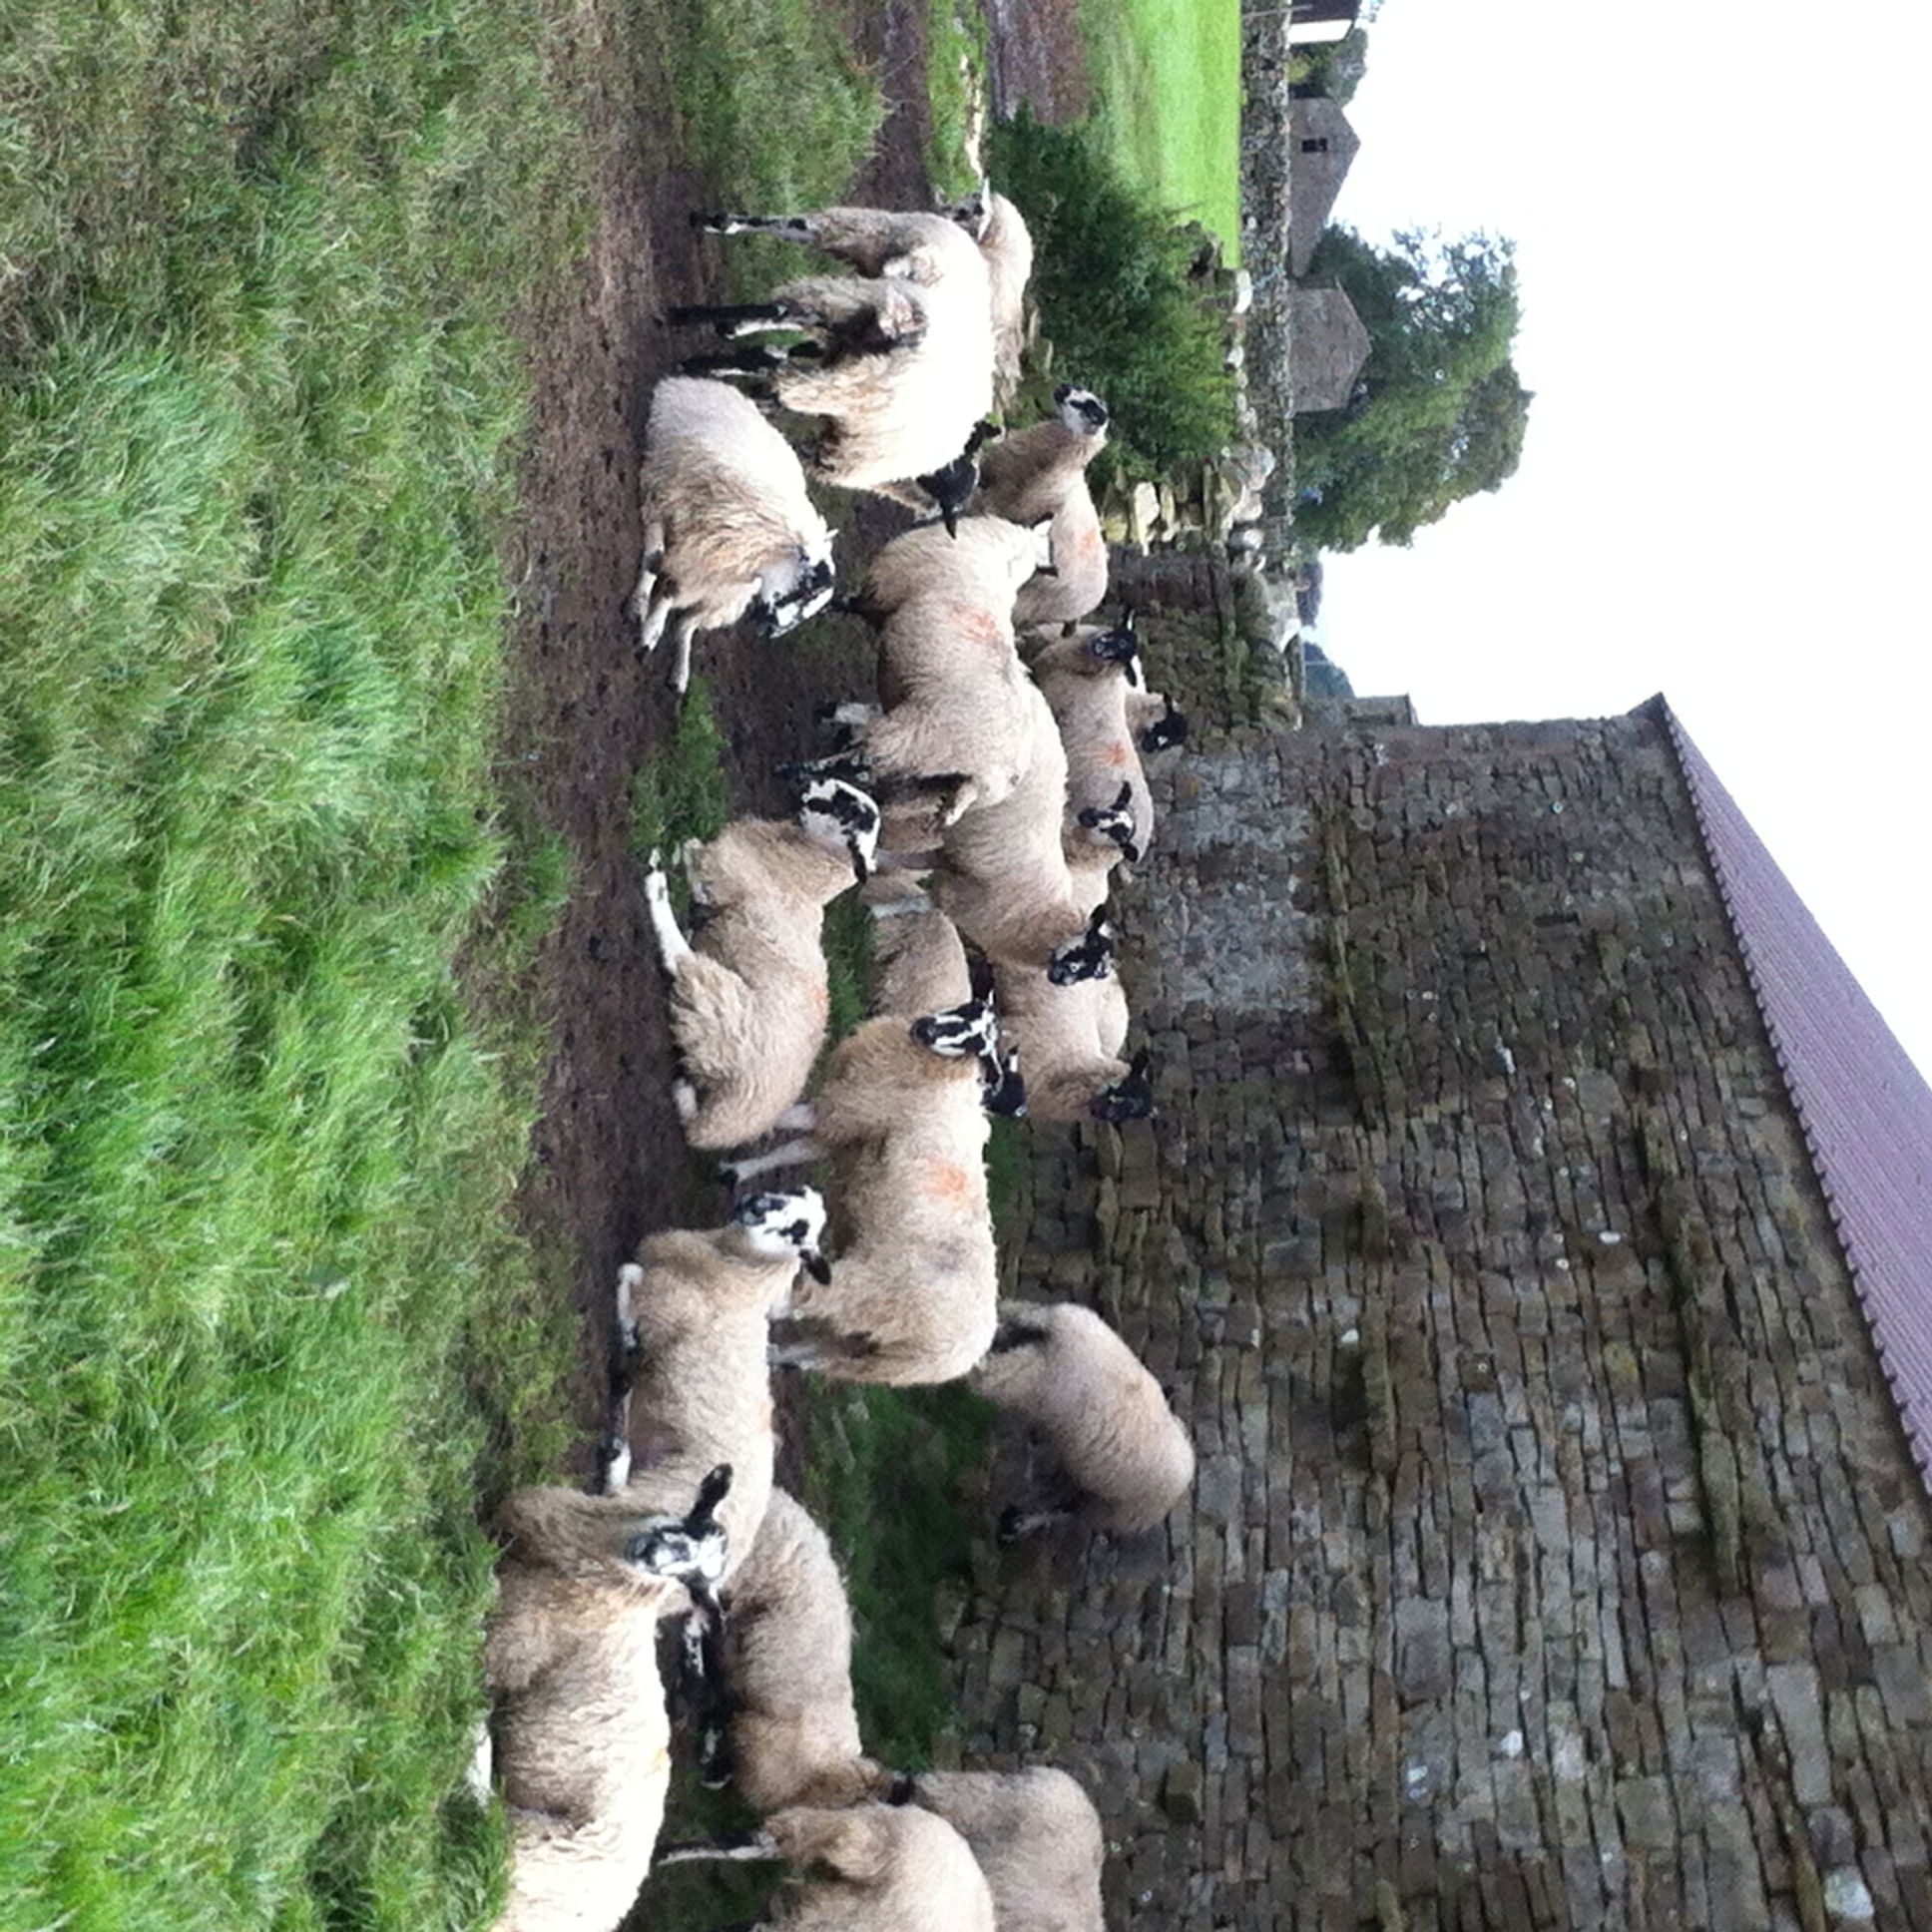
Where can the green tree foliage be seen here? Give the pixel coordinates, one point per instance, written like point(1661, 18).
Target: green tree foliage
point(1331, 68)
point(1440, 411)
point(1110, 280)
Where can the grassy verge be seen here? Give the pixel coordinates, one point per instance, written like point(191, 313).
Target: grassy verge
point(255, 263)
point(957, 83)
point(1166, 78)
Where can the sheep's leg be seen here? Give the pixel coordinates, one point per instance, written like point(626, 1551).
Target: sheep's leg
point(681, 633)
point(792, 227)
point(733, 320)
point(648, 568)
point(673, 947)
point(793, 1153)
point(654, 601)
point(799, 1118)
point(921, 861)
point(614, 1453)
point(754, 358)
point(755, 1846)
point(482, 1763)
point(852, 713)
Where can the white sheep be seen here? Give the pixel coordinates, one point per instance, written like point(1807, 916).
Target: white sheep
point(728, 525)
point(1036, 1836)
point(901, 361)
point(957, 716)
point(748, 995)
point(1125, 1458)
point(872, 1869)
point(1041, 473)
point(787, 1673)
point(912, 1290)
point(692, 1353)
point(1007, 245)
point(582, 1739)
point(1068, 1039)
point(1089, 681)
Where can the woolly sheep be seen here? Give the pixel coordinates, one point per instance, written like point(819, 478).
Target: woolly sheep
point(1006, 244)
point(1124, 1455)
point(957, 717)
point(1036, 1836)
point(912, 1290)
point(1068, 1039)
point(748, 995)
point(727, 526)
point(787, 1671)
point(582, 1737)
point(693, 1311)
point(1010, 880)
point(902, 368)
point(1039, 473)
point(874, 1868)
point(1087, 678)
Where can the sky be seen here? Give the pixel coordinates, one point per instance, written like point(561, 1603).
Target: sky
point(1720, 245)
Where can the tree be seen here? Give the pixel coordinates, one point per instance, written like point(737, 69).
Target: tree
point(1439, 412)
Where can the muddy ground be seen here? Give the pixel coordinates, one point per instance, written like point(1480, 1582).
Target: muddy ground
point(586, 714)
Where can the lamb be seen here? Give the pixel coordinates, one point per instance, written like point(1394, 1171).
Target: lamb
point(692, 1352)
point(727, 526)
point(582, 1737)
point(787, 1673)
point(748, 995)
point(958, 715)
point(912, 1294)
point(1007, 245)
point(875, 1868)
point(1088, 680)
point(1016, 886)
point(1124, 1456)
point(1068, 1039)
point(1037, 1838)
point(900, 358)
point(1042, 473)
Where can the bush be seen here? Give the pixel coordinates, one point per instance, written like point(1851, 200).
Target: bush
point(1110, 281)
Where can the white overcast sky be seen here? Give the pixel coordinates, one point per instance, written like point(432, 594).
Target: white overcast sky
point(1720, 221)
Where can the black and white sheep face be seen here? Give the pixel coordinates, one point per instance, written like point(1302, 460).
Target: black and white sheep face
point(1131, 1098)
point(974, 212)
point(777, 1226)
point(1167, 731)
point(796, 587)
point(1080, 412)
point(959, 1032)
point(1112, 824)
point(690, 1549)
point(836, 812)
point(1090, 956)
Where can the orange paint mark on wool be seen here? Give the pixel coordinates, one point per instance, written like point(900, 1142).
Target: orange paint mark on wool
point(1116, 753)
point(944, 1181)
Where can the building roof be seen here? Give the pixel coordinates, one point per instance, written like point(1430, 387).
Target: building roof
point(1864, 1108)
point(1321, 145)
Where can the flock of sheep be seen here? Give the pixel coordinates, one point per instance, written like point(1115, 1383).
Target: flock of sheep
point(978, 809)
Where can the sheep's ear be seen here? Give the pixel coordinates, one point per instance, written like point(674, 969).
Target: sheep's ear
point(979, 976)
point(1126, 796)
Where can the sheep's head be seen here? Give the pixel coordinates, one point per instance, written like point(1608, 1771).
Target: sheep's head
point(689, 1548)
point(1129, 1098)
point(835, 813)
point(1167, 731)
point(1002, 1088)
point(951, 486)
point(799, 586)
point(974, 211)
point(1115, 823)
point(1080, 412)
point(1118, 644)
point(1090, 956)
point(959, 1032)
point(779, 1224)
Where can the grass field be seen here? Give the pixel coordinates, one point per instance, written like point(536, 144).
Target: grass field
point(1167, 76)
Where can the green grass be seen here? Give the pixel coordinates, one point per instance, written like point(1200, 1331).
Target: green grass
point(956, 71)
point(883, 1475)
point(683, 792)
point(257, 414)
point(1166, 78)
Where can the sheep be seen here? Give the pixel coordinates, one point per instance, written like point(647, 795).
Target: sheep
point(1068, 1039)
point(1125, 1458)
point(911, 1295)
point(582, 1737)
point(874, 1868)
point(900, 360)
point(1007, 245)
point(788, 1674)
point(691, 1354)
point(727, 526)
point(1036, 1836)
point(1041, 472)
point(1088, 676)
point(957, 718)
point(1012, 881)
point(748, 995)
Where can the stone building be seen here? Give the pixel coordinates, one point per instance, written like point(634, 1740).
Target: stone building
point(1321, 145)
point(1327, 348)
point(1558, 1558)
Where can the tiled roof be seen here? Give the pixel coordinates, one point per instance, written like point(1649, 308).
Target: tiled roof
point(1864, 1108)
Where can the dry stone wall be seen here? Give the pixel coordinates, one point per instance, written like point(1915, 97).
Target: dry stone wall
point(1556, 1558)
